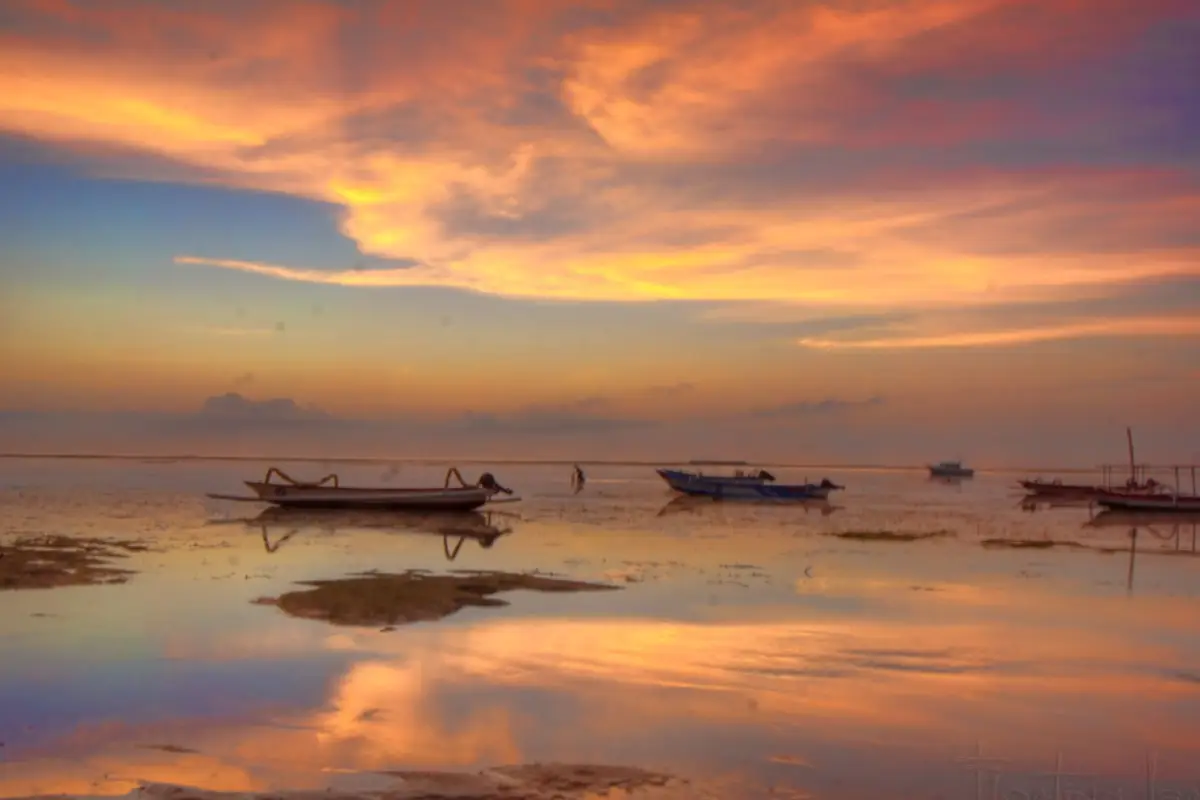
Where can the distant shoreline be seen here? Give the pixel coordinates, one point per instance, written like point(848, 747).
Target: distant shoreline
point(167, 459)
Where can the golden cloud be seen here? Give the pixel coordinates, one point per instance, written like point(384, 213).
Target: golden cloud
point(1145, 326)
point(438, 155)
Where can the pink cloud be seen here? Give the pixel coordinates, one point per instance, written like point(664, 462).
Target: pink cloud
point(462, 143)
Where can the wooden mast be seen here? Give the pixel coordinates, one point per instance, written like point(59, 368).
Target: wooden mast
point(1132, 465)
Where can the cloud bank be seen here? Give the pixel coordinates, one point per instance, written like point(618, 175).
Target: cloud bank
point(920, 153)
point(235, 425)
point(821, 430)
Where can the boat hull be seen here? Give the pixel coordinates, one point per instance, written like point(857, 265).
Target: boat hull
point(1061, 490)
point(937, 472)
point(762, 491)
point(327, 497)
point(1166, 503)
point(1077, 491)
point(740, 488)
point(679, 477)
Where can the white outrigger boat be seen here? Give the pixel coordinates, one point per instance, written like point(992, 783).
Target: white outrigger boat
point(329, 493)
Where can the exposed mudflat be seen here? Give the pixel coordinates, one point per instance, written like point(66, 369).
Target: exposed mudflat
point(761, 651)
point(520, 782)
point(892, 536)
point(47, 562)
point(375, 598)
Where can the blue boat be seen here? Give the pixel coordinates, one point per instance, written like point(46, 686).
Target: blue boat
point(759, 486)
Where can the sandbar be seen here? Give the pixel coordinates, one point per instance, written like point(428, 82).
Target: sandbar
point(519, 782)
point(48, 562)
point(384, 599)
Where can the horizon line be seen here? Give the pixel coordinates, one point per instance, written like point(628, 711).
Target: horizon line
point(441, 460)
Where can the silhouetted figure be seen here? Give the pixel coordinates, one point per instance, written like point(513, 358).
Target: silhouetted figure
point(577, 479)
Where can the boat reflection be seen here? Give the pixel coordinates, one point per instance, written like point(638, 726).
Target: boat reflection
point(695, 504)
point(1035, 503)
point(1152, 521)
point(484, 528)
point(1168, 527)
point(948, 480)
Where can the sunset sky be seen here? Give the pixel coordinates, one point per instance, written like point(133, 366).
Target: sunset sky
point(891, 230)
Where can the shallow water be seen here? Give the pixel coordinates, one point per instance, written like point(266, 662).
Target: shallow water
point(751, 649)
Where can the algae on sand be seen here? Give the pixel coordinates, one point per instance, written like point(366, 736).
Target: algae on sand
point(891, 536)
point(519, 782)
point(375, 599)
point(1030, 544)
point(47, 562)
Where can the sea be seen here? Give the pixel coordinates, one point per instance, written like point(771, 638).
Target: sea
point(913, 638)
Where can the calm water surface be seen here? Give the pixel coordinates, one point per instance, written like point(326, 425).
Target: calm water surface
point(750, 649)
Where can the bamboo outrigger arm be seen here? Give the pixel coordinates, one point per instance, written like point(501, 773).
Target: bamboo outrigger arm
point(486, 481)
point(454, 473)
point(331, 479)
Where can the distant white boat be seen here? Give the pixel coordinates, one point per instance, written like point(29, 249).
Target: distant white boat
point(950, 469)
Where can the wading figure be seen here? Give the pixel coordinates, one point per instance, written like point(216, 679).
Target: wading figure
point(577, 479)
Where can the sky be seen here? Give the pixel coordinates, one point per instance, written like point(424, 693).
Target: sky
point(882, 230)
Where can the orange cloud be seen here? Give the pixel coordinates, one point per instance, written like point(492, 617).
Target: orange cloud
point(716, 274)
point(435, 153)
point(718, 65)
point(380, 277)
point(1149, 326)
point(691, 83)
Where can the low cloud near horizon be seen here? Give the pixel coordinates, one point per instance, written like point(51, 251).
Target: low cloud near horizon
point(826, 430)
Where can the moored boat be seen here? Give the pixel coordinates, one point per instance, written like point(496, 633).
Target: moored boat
point(1136, 484)
point(328, 493)
point(1081, 491)
point(683, 476)
point(1149, 501)
point(1057, 489)
point(950, 469)
point(744, 487)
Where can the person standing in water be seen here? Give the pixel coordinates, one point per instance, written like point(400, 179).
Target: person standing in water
point(577, 479)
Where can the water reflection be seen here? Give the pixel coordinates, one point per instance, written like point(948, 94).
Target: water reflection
point(702, 505)
point(1168, 527)
point(279, 525)
point(948, 480)
point(903, 696)
point(1176, 521)
point(1035, 503)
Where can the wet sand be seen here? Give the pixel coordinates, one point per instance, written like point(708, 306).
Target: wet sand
point(374, 599)
point(520, 782)
point(47, 562)
point(880, 646)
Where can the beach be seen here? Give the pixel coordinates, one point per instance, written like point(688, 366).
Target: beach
point(914, 638)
